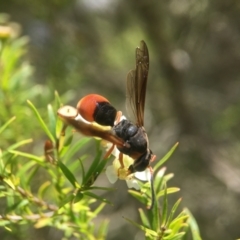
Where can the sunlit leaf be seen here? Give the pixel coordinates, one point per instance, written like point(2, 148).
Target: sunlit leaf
point(73, 149)
point(144, 218)
point(31, 174)
point(18, 205)
point(16, 145)
point(43, 188)
point(177, 236)
point(140, 197)
point(167, 177)
point(169, 191)
point(173, 210)
point(42, 222)
point(101, 188)
point(68, 141)
point(42, 123)
point(68, 198)
point(78, 197)
point(4, 222)
point(92, 172)
point(9, 183)
point(178, 221)
point(57, 100)
point(164, 208)
point(2, 128)
point(146, 230)
point(158, 179)
point(1, 163)
point(103, 228)
point(166, 157)
point(83, 170)
point(99, 208)
point(90, 194)
point(68, 174)
point(52, 120)
point(58, 129)
point(193, 225)
point(39, 160)
point(25, 168)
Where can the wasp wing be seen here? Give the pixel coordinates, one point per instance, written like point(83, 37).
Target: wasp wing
point(137, 84)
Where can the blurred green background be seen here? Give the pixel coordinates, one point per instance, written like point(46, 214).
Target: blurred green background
point(193, 95)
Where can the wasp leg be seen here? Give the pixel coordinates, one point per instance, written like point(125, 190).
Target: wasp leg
point(109, 151)
point(152, 160)
point(118, 117)
point(120, 158)
point(122, 172)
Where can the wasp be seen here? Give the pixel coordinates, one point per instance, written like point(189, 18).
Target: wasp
point(95, 116)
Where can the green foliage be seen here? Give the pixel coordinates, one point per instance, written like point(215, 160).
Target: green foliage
point(159, 222)
point(56, 189)
point(16, 84)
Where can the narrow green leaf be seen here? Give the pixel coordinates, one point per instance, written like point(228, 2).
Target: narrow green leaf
point(101, 188)
point(97, 171)
point(74, 167)
point(166, 157)
point(59, 128)
point(10, 183)
point(4, 222)
point(26, 173)
point(193, 225)
point(25, 169)
point(16, 145)
point(68, 140)
point(17, 206)
point(164, 208)
point(103, 229)
point(39, 160)
point(78, 197)
point(43, 222)
point(83, 170)
point(79, 144)
point(99, 209)
point(158, 179)
point(6, 124)
point(57, 100)
point(169, 176)
point(174, 208)
point(178, 221)
point(169, 191)
point(68, 174)
point(66, 200)
point(42, 123)
point(177, 236)
point(155, 215)
point(140, 197)
point(2, 165)
point(31, 174)
point(43, 188)
point(144, 218)
point(92, 195)
point(146, 230)
point(52, 120)
point(91, 173)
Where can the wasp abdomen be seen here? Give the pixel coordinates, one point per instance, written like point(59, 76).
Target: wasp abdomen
point(94, 107)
